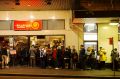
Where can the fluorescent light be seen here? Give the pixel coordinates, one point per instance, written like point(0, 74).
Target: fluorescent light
point(7, 18)
point(113, 24)
point(53, 17)
point(91, 36)
point(90, 24)
point(32, 17)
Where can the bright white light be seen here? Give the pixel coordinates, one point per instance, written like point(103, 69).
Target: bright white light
point(53, 17)
point(91, 43)
point(105, 27)
point(113, 24)
point(90, 24)
point(33, 42)
point(32, 17)
point(92, 36)
point(7, 18)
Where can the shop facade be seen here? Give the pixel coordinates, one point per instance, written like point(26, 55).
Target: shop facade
point(57, 27)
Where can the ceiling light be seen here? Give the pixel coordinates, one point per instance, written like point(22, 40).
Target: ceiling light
point(114, 22)
point(7, 18)
point(32, 17)
point(90, 24)
point(28, 5)
point(53, 17)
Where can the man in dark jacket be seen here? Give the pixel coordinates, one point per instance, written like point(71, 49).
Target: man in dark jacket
point(115, 59)
point(67, 57)
point(82, 57)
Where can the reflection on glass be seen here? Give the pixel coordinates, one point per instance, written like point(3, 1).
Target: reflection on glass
point(90, 28)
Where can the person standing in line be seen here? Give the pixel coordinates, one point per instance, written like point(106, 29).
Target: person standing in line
point(62, 56)
point(49, 57)
point(82, 57)
point(92, 59)
point(102, 58)
point(98, 57)
point(67, 56)
point(23, 55)
point(69, 50)
point(74, 57)
point(54, 55)
point(4, 56)
point(88, 52)
point(32, 56)
point(115, 59)
point(59, 56)
point(44, 57)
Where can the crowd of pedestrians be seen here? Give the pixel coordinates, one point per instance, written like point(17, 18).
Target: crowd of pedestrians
point(57, 57)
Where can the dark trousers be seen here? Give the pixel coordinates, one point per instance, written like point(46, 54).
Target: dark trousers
point(82, 63)
point(67, 62)
point(42, 62)
point(93, 63)
point(102, 64)
point(115, 65)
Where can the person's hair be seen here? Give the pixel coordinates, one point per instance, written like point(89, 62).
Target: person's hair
point(74, 50)
point(115, 49)
point(82, 45)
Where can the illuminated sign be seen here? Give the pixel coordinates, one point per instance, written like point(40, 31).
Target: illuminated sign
point(27, 25)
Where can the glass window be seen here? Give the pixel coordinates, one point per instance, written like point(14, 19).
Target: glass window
point(90, 28)
point(90, 44)
point(56, 24)
point(45, 24)
point(5, 25)
point(43, 40)
point(90, 36)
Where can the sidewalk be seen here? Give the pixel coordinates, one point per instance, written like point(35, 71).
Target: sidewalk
point(28, 71)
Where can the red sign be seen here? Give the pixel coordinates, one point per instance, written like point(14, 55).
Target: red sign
point(28, 25)
point(111, 41)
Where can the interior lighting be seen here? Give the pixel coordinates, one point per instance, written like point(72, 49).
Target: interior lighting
point(53, 17)
point(32, 17)
point(113, 23)
point(90, 24)
point(7, 18)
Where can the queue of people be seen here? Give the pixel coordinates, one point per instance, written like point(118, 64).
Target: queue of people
point(58, 57)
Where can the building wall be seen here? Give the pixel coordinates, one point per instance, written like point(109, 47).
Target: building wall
point(71, 38)
point(105, 31)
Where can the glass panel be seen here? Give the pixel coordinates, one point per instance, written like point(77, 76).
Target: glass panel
point(43, 40)
point(5, 25)
point(90, 28)
point(90, 36)
point(45, 25)
point(91, 44)
point(56, 24)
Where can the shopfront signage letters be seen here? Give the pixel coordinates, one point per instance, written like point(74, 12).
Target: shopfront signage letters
point(27, 25)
